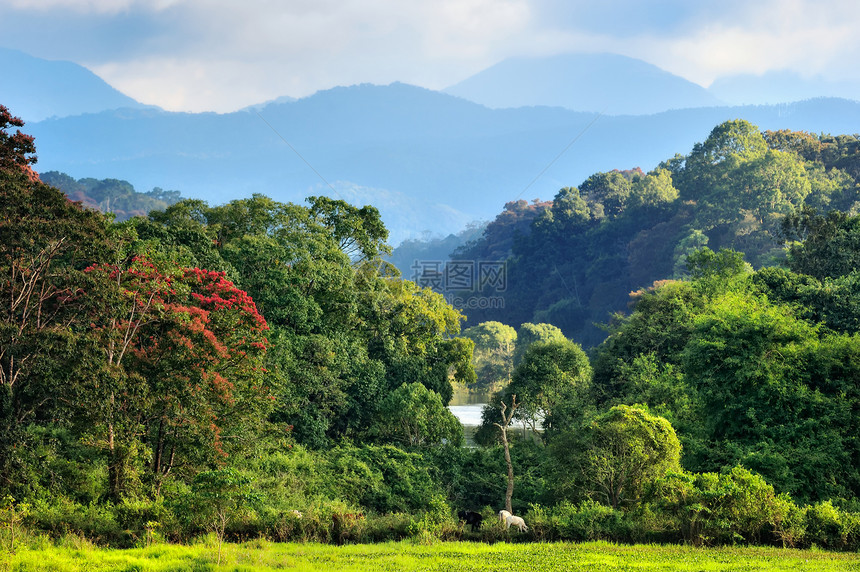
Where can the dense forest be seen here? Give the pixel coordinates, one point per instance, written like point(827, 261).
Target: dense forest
point(111, 195)
point(257, 368)
point(574, 261)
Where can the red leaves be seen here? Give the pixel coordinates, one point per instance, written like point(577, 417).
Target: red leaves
point(197, 341)
point(17, 150)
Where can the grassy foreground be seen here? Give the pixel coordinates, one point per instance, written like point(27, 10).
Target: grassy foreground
point(448, 556)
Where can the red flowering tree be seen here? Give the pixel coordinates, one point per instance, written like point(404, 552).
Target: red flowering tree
point(17, 150)
point(184, 378)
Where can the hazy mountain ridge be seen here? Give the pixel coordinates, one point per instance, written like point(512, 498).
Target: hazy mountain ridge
point(607, 83)
point(779, 86)
point(437, 160)
point(428, 160)
point(36, 88)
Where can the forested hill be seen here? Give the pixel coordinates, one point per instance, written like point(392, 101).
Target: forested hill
point(426, 160)
point(575, 261)
point(112, 195)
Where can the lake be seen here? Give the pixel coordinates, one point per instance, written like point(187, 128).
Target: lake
point(467, 408)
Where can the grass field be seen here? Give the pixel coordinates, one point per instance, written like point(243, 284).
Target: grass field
point(446, 556)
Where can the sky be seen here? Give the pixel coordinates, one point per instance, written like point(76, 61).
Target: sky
point(222, 55)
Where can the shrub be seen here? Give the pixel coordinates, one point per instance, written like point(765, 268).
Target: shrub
point(714, 508)
point(62, 517)
point(829, 527)
point(590, 521)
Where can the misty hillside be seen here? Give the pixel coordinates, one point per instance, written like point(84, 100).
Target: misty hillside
point(607, 83)
point(777, 87)
point(428, 160)
point(36, 89)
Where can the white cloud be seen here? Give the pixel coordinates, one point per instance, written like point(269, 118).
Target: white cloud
point(221, 54)
point(89, 6)
point(238, 54)
point(802, 36)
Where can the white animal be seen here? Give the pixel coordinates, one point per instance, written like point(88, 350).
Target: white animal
point(296, 513)
point(503, 515)
point(516, 521)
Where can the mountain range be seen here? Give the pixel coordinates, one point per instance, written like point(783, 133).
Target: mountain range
point(35, 89)
point(428, 160)
point(607, 83)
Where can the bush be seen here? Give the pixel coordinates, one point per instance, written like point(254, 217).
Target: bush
point(789, 522)
point(64, 517)
point(590, 521)
point(435, 523)
point(829, 527)
point(713, 508)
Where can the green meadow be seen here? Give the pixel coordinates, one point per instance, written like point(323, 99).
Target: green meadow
point(404, 556)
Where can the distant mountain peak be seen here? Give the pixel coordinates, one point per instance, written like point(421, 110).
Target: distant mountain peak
point(41, 88)
point(276, 101)
point(602, 82)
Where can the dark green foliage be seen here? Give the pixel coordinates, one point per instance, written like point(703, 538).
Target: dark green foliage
point(620, 231)
point(657, 330)
point(722, 508)
point(744, 378)
point(413, 415)
point(476, 478)
point(830, 244)
point(46, 242)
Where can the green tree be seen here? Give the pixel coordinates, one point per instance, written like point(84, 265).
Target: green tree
point(415, 416)
point(345, 328)
point(493, 353)
point(529, 333)
point(711, 269)
point(709, 163)
point(220, 497)
point(658, 328)
point(359, 232)
point(46, 242)
point(656, 189)
point(611, 191)
point(753, 364)
point(553, 383)
point(618, 452)
point(823, 246)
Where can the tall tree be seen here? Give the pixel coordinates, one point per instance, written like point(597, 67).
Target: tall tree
point(553, 381)
point(45, 244)
point(186, 351)
point(503, 428)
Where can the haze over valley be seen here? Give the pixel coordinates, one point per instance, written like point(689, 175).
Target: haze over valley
point(431, 161)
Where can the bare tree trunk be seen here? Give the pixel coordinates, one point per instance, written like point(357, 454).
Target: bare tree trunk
point(506, 420)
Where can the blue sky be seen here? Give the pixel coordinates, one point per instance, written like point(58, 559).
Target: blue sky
point(220, 55)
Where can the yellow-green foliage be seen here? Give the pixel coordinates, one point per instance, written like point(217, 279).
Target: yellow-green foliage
point(259, 555)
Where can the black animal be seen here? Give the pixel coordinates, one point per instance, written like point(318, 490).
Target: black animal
point(472, 518)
